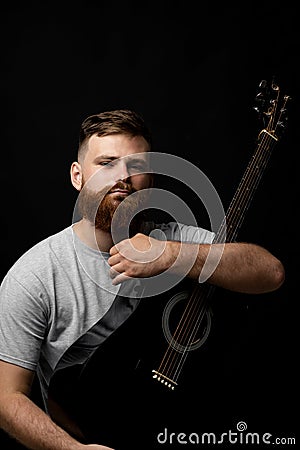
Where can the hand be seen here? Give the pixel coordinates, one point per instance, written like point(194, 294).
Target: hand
point(139, 257)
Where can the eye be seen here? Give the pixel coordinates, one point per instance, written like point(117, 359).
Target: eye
point(137, 166)
point(106, 163)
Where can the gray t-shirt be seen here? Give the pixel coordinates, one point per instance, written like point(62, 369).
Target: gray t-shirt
point(57, 301)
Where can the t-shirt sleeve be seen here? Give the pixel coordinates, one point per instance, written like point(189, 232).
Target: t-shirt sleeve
point(23, 323)
point(175, 231)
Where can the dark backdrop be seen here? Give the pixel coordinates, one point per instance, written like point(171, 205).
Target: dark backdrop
point(192, 70)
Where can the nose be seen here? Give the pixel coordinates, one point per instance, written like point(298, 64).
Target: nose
point(122, 172)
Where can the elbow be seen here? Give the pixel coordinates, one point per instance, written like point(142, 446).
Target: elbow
point(278, 277)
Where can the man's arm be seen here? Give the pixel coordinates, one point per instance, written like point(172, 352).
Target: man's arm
point(241, 267)
point(24, 420)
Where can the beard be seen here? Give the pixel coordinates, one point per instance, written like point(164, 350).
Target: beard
point(99, 208)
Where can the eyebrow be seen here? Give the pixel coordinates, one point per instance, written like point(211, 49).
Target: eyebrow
point(113, 158)
point(98, 158)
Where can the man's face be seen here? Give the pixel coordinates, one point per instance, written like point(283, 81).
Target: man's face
point(112, 170)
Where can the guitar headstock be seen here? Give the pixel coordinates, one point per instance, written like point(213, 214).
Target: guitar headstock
point(271, 108)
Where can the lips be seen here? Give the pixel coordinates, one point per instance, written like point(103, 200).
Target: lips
point(121, 188)
point(120, 191)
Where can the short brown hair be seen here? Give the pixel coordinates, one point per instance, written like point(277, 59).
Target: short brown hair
point(112, 122)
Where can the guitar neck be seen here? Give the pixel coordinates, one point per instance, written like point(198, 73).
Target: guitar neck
point(247, 187)
point(276, 116)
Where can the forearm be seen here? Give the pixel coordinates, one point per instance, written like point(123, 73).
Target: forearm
point(241, 267)
point(29, 425)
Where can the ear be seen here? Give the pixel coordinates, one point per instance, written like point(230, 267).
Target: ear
point(76, 175)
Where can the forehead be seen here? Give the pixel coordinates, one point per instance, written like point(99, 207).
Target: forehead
point(115, 146)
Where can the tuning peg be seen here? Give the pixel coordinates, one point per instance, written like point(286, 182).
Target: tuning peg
point(259, 97)
point(263, 84)
point(282, 123)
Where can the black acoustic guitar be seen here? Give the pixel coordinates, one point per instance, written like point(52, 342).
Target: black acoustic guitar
point(134, 387)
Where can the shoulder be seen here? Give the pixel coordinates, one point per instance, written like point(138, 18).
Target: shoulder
point(42, 255)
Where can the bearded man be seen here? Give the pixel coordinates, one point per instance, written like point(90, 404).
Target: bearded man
point(59, 302)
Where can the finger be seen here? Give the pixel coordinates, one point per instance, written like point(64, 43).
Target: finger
point(113, 260)
point(113, 250)
point(113, 273)
point(120, 278)
point(116, 269)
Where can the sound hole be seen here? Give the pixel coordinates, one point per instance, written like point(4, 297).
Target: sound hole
point(184, 329)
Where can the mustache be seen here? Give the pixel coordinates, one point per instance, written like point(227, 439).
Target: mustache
point(123, 186)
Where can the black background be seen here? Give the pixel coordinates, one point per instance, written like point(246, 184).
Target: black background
point(192, 70)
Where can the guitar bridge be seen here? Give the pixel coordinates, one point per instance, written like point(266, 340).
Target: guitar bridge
point(164, 379)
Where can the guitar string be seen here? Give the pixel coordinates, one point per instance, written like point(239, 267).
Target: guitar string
point(196, 323)
point(200, 314)
point(176, 335)
point(167, 370)
point(256, 179)
point(196, 317)
point(263, 163)
point(260, 159)
point(265, 150)
point(179, 360)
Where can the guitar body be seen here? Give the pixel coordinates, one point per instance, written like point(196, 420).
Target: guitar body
point(117, 389)
point(114, 398)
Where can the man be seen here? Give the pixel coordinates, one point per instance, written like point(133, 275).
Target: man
point(57, 301)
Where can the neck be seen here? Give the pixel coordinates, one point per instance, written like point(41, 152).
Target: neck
point(92, 237)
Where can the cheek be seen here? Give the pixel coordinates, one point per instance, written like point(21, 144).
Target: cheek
point(141, 182)
point(98, 179)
